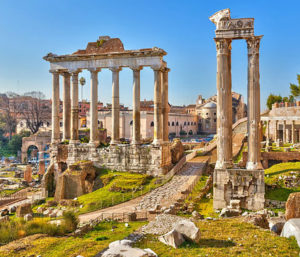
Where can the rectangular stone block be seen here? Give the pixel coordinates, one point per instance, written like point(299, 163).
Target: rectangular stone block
point(239, 184)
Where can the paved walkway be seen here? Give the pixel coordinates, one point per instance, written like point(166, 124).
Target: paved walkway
point(164, 195)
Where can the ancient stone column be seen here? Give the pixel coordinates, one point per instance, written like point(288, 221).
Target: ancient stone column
point(253, 103)
point(157, 137)
point(293, 132)
point(136, 112)
point(94, 137)
point(268, 132)
point(66, 107)
point(165, 105)
point(115, 134)
point(74, 108)
point(276, 130)
point(284, 131)
point(55, 137)
point(224, 104)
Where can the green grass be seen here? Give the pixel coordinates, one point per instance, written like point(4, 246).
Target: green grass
point(88, 245)
point(239, 157)
point(118, 187)
point(272, 178)
point(17, 228)
point(227, 237)
point(205, 205)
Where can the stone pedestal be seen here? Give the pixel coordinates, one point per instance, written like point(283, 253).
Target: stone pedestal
point(248, 186)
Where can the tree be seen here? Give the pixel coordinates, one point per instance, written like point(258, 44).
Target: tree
point(7, 115)
point(295, 89)
point(273, 99)
point(34, 110)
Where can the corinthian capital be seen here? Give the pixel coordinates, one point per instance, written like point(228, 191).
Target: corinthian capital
point(223, 45)
point(253, 44)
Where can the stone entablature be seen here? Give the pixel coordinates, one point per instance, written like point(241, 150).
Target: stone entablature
point(232, 28)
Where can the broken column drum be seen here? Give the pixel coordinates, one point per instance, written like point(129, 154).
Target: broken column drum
point(229, 183)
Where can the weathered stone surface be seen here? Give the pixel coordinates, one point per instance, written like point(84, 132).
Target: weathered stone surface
point(259, 220)
point(28, 174)
point(23, 210)
point(122, 248)
point(293, 206)
point(276, 224)
point(28, 217)
point(75, 181)
point(177, 150)
point(227, 212)
point(292, 228)
point(189, 230)
point(247, 185)
point(172, 238)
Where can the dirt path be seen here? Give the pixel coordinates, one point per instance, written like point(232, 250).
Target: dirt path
point(164, 195)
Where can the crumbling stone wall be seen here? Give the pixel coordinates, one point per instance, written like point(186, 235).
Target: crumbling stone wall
point(77, 180)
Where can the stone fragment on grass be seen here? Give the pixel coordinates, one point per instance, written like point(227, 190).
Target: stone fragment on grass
point(292, 228)
point(293, 206)
point(172, 238)
point(189, 230)
point(28, 217)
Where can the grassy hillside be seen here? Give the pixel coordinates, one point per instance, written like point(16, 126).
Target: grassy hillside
point(275, 176)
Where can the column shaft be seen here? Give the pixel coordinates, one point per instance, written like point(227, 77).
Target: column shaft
point(94, 107)
point(66, 107)
point(115, 137)
point(293, 132)
point(136, 112)
point(253, 104)
point(276, 130)
point(268, 132)
point(74, 108)
point(55, 138)
point(224, 104)
point(284, 132)
point(165, 105)
point(157, 137)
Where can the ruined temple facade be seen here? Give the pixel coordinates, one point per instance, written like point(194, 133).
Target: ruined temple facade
point(109, 53)
point(230, 183)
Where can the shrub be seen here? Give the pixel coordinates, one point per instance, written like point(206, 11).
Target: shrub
point(70, 221)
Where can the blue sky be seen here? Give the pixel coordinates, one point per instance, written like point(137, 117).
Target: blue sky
point(30, 29)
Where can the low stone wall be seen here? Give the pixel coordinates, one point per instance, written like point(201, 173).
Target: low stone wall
point(275, 204)
point(246, 185)
point(268, 157)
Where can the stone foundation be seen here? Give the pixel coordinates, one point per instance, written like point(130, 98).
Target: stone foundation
point(248, 186)
point(149, 159)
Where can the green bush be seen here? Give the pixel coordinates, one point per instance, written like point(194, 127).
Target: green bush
point(70, 221)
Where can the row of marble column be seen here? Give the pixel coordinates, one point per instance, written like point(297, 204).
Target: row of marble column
point(285, 135)
point(224, 103)
point(70, 106)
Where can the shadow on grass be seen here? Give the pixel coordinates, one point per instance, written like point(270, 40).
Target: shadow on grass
point(279, 194)
point(208, 243)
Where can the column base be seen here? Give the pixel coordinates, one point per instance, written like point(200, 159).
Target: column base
point(157, 142)
point(74, 142)
point(55, 141)
point(115, 142)
point(136, 143)
point(94, 143)
point(223, 164)
point(254, 166)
